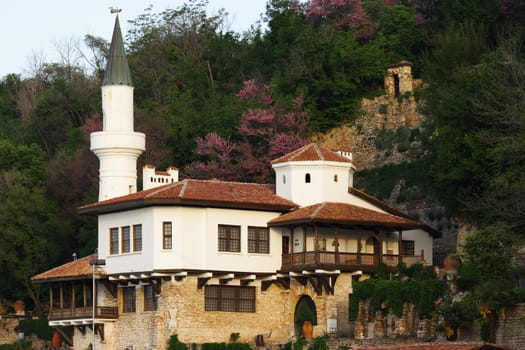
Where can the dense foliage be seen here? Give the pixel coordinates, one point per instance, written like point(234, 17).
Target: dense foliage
point(417, 285)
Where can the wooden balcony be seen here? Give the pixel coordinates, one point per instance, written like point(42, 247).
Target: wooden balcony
point(344, 261)
point(101, 312)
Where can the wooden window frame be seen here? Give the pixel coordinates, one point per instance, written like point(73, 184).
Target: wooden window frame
point(167, 235)
point(126, 239)
point(408, 248)
point(150, 298)
point(137, 238)
point(256, 243)
point(114, 241)
point(229, 238)
point(229, 298)
point(129, 299)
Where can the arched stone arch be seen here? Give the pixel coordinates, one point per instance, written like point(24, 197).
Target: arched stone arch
point(305, 310)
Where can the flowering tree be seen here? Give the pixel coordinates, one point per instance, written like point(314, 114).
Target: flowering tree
point(345, 14)
point(266, 131)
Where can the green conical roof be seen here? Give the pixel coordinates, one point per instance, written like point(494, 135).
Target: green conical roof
point(117, 69)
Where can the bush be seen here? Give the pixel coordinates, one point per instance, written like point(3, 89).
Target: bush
point(225, 346)
point(318, 343)
point(175, 344)
point(22, 344)
point(39, 327)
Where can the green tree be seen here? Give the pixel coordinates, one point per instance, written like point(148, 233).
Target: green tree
point(32, 233)
point(491, 252)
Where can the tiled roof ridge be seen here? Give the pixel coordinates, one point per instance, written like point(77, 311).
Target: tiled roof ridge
point(183, 189)
point(60, 267)
point(318, 151)
point(156, 190)
point(318, 209)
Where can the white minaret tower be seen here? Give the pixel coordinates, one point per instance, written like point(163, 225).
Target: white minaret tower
point(117, 146)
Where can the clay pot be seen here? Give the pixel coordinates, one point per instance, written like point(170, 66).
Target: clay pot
point(308, 330)
point(56, 341)
point(452, 265)
point(19, 307)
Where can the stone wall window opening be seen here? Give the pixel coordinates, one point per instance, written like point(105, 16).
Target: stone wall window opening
point(137, 238)
point(335, 178)
point(258, 240)
point(150, 298)
point(408, 248)
point(129, 296)
point(113, 241)
point(167, 235)
point(396, 85)
point(307, 178)
point(126, 239)
point(229, 238)
point(229, 298)
point(284, 179)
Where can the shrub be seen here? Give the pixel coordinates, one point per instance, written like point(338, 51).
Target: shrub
point(175, 344)
point(38, 327)
point(318, 343)
point(383, 109)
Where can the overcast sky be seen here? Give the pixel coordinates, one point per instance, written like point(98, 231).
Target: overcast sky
point(32, 28)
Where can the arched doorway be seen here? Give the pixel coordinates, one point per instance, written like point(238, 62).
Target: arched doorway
point(372, 246)
point(305, 310)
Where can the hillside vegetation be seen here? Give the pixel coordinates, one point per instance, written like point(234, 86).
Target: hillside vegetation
point(212, 100)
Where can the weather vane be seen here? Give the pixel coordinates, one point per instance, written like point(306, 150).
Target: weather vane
point(114, 9)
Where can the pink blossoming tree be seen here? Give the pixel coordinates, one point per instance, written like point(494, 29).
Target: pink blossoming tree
point(267, 131)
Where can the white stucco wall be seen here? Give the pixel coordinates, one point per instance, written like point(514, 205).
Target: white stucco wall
point(195, 240)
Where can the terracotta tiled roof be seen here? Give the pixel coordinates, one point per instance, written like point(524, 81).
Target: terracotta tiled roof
point(311, 152)
point(197, 192)
point(438, 346)
point(382, 205)
point(78, 269)
point(343, 213)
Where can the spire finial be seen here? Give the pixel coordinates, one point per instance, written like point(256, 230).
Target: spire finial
point(114, 9)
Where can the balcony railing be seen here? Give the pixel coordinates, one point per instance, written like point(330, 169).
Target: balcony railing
point(344, 260)
point(104, 312)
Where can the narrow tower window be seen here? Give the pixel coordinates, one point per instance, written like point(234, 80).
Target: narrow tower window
point(335, 177)
point(284, 179)
point(307, 178)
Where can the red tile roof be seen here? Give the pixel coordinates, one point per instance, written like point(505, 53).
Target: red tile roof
point(382, 205)
point(312, 152)
point(438, 346)
point(198, 193)
point(78, 269)
point(343, 213)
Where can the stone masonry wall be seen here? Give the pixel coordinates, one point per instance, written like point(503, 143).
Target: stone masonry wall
point(7, 330)
point(181, 311)
point(511, 330)
point(387, 112)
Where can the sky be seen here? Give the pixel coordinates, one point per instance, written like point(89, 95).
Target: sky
point(32, 29)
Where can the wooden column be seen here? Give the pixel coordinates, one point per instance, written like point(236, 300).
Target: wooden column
point(51, 298)
point(336, 243)
point(316, 245)
point(399, 244)
point(381, 240)
point(304, 244)
point(292, 229)
point(358, 247)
